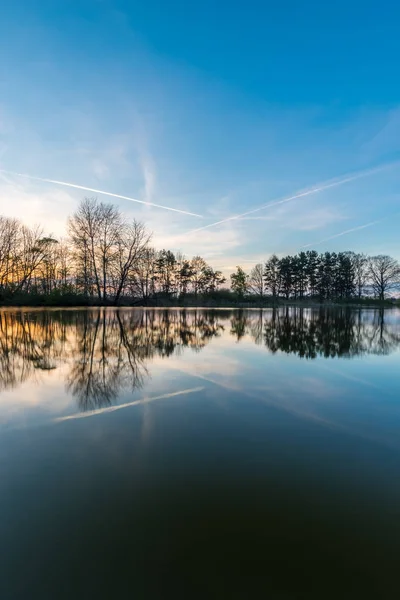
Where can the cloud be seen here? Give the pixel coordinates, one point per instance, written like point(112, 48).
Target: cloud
point(207, 244)
point(149, 175)
point(33, 205)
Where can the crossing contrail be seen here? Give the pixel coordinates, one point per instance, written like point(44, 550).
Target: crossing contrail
point(88, 189)
point(300, 194)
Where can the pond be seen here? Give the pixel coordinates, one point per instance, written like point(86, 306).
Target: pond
point(148, 453)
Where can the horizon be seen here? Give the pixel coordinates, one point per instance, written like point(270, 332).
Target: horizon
point(276, 129)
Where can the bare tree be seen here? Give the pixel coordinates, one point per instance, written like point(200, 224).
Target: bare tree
point(384, 274)
point(132, 243)
point(32, 251)
point(9, 238)
point(84, 230)
point(360, 269)
point(256, 280)
point(111, 246)
point(142, 279)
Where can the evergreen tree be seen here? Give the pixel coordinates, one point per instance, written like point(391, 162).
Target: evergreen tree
point(272, 275)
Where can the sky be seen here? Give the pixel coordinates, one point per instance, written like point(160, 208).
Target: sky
point(211, 108)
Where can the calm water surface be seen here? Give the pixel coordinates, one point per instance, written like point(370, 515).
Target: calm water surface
point(211, 454)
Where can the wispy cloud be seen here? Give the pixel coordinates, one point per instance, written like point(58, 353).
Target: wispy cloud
point(104, 193)
point(149, 175)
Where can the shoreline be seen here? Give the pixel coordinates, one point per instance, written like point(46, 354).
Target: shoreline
point(376, 304)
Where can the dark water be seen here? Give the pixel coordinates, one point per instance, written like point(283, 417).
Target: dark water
point(211, 454)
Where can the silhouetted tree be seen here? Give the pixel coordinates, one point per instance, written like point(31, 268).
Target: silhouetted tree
point(239, 282)
point(272, 275)
point(384, 273)
point(256, 281)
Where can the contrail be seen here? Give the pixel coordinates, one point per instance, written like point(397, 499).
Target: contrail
point(332, 237)
point(88, 189)
point(300, 194)
point(108, 409)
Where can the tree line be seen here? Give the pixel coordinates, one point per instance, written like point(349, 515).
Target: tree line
point(104, 258)
point(329, 276)
point(107, 259)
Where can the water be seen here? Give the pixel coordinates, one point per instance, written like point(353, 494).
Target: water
point(211, 454)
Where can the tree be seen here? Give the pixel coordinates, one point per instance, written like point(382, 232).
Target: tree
point(32, 250)
point(313, 261)
point(256, 281)
point(167, 271)
point(197, 266)
point(110, 241)
point(272, 275)
point(286, 276)
point(106, 248)
point(184, 274)
point(142, 279)
point(361, 267)
point(9, 240)
point(326, 276)
point(132, 243)
point(84, 230)
point(384, 274)
point(344, 276)
point(239, 282)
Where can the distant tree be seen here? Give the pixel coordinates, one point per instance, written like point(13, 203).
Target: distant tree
point(240, 282)
point(197, 265)
point(184, 275)
point(166, 272)
point(326, 276)
point(272, 275)
point(9, 243)
point(46, 272)
point(301, 274)
point(361, 267)
point(256, 281)
point(344, 276)
point(313, 261)
point(31, 252)
point(142, 280)
point(384, 274)
point(286, 276)
point(211, 280)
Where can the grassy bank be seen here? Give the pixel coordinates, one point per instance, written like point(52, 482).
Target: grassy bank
point(222, 299)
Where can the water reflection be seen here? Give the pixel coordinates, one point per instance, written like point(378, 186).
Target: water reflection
point(107, 351)
point(328, 332)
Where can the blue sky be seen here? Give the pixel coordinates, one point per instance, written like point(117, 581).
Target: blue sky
point(214, 108)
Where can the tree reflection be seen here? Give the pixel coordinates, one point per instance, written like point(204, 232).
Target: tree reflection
point(326, 332)
point(105, 351)
point(100, 353)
